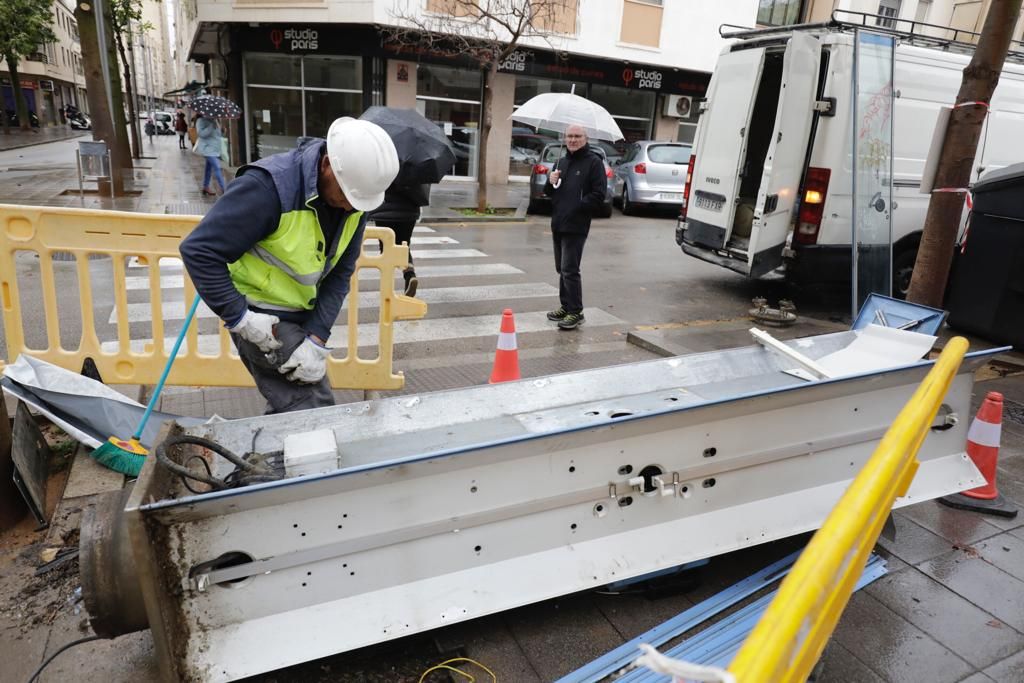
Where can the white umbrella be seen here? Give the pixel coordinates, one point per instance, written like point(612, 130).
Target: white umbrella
point(558, 110)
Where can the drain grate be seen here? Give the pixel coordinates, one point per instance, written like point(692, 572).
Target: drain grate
point(187, 208)
point(1014, 412)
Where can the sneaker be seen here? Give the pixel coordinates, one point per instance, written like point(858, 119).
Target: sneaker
point(411, 283)
point(558, 313)
point(571, 321)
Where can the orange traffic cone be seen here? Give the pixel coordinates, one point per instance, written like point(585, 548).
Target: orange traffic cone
point(506, 358)
point(983, 448)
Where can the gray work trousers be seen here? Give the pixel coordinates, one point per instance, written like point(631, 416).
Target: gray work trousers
point(282, 395)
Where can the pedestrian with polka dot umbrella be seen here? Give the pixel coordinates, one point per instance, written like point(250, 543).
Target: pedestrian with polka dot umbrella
point(209, 143)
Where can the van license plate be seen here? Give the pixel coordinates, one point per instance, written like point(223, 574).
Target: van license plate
point(709, 204)
point(672, 196)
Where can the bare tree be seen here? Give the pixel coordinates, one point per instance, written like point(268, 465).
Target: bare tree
point(485, 32)
point(935, 254)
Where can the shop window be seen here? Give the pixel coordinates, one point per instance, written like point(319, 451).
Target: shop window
point(450, 97)
point(633, 110)
point(778, 12)
point(323, 106)
point(339, 73)
point(641, 22)
point(273, 70)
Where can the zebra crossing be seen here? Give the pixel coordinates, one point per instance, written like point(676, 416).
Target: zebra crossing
point(479, 280)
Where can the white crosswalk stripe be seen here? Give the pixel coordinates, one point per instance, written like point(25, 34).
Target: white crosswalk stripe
point(424, 272)
point(412, 331)
point(175, 310)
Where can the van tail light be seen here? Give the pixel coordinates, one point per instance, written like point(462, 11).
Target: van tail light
point(640, 168)
point(686, 189)
point(812, 205)
point(540, 169)
point(608, 172)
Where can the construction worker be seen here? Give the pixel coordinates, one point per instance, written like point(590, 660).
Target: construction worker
point(274, 256)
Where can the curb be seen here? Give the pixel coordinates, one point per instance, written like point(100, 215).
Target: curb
point(434, 220)
point(38, 142)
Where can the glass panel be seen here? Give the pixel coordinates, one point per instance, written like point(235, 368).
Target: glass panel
point(687, 133)
point(872, 167)
point(322, 107)
point(668, 154)
point(273, 70)
point(342, 73)
point(275, 120)
point(446, 81)
point(460, 122)
point(632, 110)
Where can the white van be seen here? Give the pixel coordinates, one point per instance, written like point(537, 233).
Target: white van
point(769, 184)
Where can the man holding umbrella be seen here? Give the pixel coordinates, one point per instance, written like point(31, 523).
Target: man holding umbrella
point(274, 256)
point(576, 186)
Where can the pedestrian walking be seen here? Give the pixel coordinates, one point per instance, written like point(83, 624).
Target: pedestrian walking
point(181, 128)
point(150, 129)
point(577, 188)
point(208, 146)
point(274, 256)
point(400, 211)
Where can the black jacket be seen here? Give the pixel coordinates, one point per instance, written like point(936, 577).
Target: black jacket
point(581, 192)
point(402, 204)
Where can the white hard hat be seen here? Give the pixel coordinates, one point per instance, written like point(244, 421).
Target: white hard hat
point(364, 161)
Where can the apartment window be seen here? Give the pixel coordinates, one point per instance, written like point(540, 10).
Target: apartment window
point(641, 22)
point(888, 11)
point(778, 12)
point(923, 8)
point(559, 16)
point(453, 7)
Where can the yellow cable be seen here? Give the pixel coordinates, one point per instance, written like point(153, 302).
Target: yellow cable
point(445, 665)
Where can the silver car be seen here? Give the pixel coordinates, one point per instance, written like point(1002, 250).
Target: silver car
point(651, 173)
point(549, 156)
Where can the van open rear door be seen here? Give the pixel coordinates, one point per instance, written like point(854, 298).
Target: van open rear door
point(787, 154)
point(721, 147)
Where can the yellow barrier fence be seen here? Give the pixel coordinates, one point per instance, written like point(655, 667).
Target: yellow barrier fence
point(62, 269)
point(789, 638)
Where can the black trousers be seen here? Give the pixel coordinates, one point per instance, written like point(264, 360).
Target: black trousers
point(568, 254)
point(403, 233)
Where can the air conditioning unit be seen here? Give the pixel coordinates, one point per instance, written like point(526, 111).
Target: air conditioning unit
point(679, 106)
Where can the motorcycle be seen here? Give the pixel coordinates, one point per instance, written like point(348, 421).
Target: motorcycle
point(77, 119)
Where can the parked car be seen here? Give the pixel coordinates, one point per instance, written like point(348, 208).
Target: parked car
point(652, 174)
point(525, 151)
point(164, 121)
point(539, 177)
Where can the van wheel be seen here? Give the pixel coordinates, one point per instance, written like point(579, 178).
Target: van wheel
point(902, 271)
point(628, 208)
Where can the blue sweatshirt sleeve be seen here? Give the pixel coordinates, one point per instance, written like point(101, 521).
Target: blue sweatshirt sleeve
point(248, 212)
point(334, 287)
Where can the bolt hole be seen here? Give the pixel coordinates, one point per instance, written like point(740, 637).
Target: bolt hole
point(472, 489)
point(351, 573)
point(573, 527)
point(672, 398)
point(710, 452)
point(708, 483)
point(344, 566)
point(303, 533)
point(478, 548)
point(620, 413)
point(344, 516)
point(309, 573)
point(686, 489)
point(625, 501)
point(339, 526)
point(626, 469)
point(303, 584)
point(572, 469)
point(295, 526)
point(600, 508)
point(591, 413)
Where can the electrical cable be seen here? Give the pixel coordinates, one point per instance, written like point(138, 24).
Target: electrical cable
point(52, 657)
point(246, 472)
point(447, 666)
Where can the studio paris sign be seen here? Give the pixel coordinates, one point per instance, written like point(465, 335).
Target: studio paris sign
point(295, 39)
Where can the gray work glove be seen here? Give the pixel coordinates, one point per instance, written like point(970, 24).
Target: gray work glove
point(307, 364)
point(258, 328)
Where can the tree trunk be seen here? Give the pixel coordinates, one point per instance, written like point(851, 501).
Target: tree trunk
point(935, 254)
point(20, 106)
point(485, 135)
point(99, 111)
point(133, 119)
point(121, 153)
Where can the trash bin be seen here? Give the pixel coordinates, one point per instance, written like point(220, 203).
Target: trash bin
point(93, 159)
point(987, 293)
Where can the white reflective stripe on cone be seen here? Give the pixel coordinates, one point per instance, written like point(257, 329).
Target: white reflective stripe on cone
point(506, 341)
point(984, 433)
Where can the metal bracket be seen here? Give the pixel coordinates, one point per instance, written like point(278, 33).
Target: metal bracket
point(826, 106)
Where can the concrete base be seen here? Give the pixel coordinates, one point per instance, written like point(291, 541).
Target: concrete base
point(996, 506)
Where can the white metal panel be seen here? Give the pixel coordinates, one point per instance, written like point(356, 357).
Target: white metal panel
point(787, 154)
point(408, 539)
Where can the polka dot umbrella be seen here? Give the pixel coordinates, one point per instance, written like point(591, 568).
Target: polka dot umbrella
point(214, 107)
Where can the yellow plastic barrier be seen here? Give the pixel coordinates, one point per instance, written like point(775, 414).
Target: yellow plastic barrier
point(790, 636)
point(85, 237)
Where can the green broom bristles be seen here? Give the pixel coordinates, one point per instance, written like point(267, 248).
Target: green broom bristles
point(126, 457)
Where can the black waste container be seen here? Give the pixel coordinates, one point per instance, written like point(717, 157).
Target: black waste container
point(986, 297)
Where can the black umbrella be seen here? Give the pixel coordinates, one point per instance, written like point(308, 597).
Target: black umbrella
point(214, 107)
point(424, 151)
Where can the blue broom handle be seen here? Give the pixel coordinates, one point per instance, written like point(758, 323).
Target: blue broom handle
point(167, 369)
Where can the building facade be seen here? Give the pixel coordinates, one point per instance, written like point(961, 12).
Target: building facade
point(151, 55)
point(54, 76)
point(295, 66)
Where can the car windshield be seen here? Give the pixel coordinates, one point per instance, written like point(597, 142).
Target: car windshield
point(668, 154)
